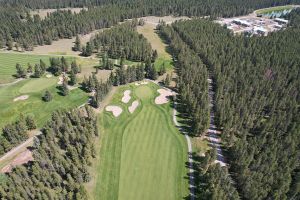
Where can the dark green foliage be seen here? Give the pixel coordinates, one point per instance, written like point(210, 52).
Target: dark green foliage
point(30, 123)
point(47, 96)
point(257, 84)
point(192, 82)
point(64, 88)
point(15, 133)
point(77, 46)
point(122, 41)
point(73, 79)
point(62, 154)
point(21, 72)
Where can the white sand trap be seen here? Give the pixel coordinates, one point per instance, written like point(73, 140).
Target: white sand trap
point(49, 75)
point(133, 106)
point(126, 97)
point(144, 83)
point(21, 98)
point(61, 79)
point(162, 98)
point(116, 110)
point(137, 84)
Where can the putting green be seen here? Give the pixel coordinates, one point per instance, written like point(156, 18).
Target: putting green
point(39, 84)
point(142, 155)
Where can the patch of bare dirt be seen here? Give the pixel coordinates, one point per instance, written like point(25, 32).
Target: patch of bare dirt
point(21, 98)
point(21, 159)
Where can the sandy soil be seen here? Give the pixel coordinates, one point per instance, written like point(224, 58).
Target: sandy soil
point(49, 75)
point(168, 19)
point(63, 46)
point(133, 106)
point(141, 83)
point(126, 97)
point(43, 12)
point(163, 97)
point(61, 79)
point(22, 158)
point(21, 98)
point(116, 110)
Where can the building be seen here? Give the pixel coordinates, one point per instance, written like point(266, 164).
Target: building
point(281, 21)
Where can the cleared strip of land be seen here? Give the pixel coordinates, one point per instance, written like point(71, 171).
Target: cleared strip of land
point(142, 154)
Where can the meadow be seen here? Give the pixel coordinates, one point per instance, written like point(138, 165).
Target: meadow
point(142, 155)
point(274, 9)
point(34, 105)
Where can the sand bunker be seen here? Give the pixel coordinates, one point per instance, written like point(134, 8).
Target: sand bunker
point(61, 80)
point(126, 97)
point(141, 83)
point(21, 98)
point(116, 110)
point(49, 75)
point(162, 98)
point(133, 106)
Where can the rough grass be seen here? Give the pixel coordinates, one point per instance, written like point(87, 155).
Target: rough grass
point(164, 58)
point(9, 61)
point(142, 155)
point(274, 9)
point(40, 110)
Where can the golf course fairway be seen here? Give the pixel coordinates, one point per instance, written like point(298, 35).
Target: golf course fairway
point(142, 154)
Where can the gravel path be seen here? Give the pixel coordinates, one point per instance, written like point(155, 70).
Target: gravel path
point(15, 150)
point(190, 150)
point(12, 83)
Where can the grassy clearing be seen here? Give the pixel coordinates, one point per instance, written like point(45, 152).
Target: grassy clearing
point(148, 31)
point(274, 9)
point(9, 60)
point(142, 155)
point(10, 110)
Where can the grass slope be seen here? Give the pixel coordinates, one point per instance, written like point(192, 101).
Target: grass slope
point(10, 110)
point(148, 31)
point(142, 155)
point(274, 9)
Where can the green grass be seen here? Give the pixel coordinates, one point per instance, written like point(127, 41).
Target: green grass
point(142, 155)
point(40, 110)
point(8, 63)
point(37, 85)
point(274, 9)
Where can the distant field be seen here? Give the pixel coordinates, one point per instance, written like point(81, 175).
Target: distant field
point(10, 110)
point(8, 64)
point(142, 155)
point(163, 56)
point(274, 9)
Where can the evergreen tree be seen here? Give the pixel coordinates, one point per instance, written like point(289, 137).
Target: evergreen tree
point(77, 46)
point(47, 96)
point(21, 72)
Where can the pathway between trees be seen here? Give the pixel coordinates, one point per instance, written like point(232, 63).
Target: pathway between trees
point(16, 149)
point(212, 132)
point(190, 150)
point(12, 83)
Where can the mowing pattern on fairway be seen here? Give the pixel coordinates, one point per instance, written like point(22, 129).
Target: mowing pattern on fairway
point(142, 154)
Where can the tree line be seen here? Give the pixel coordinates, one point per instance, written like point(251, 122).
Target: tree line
point(121, 41)
point(192, 82)
point(62, 155)
point(15, 133)
point(21, 30)
point(257, 97)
